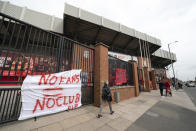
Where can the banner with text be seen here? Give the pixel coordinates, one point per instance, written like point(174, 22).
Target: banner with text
point(121, 76)
point(46, 94)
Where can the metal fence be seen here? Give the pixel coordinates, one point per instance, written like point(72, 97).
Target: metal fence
point(10, 100)
point(28, 50)
point(120, 72)
point(83, 58)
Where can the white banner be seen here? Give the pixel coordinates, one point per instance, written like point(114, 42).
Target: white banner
point(46, 94)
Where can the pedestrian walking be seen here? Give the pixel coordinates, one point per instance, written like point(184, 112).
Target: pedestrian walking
point(179, 85)
point(173, 84)
point(167, 86)
point(106, 96)
point(161, 86)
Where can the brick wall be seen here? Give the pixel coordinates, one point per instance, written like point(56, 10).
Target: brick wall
point(125, 93)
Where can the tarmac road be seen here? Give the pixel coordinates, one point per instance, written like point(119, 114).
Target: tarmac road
point(191, 91)
point(164, 116)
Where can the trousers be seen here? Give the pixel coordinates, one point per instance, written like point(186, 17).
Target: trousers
point(161, 91)
point(102, 105)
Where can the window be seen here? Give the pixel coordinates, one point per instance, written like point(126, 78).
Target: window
point(120, 72)
point(86, 54)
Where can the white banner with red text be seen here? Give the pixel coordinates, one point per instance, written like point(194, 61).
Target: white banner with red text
point(46, 94)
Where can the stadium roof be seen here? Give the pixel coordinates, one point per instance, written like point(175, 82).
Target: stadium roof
point(90, 28)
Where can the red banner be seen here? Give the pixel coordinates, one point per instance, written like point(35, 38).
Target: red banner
point(121, 76)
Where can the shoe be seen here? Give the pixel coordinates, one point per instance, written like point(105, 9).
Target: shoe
point(99, 115)
point(112, 112)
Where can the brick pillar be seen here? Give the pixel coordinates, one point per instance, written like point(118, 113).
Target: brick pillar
point(101, 71)
point(135, 77)
point(154, 80)
point(147, 79)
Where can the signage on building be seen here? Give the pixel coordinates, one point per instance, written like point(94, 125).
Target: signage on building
point(123, 57)
point(121, 76)
point(46, 94)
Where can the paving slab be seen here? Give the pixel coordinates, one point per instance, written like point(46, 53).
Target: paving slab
point(106, 128)
point(90, 125)
point(120, 124)
point(132, 116)
point(52, 127)
point(68, 123)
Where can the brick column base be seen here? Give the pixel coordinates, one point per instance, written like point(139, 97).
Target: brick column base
point(147, 79)
point(135, 77)
point(154, 84)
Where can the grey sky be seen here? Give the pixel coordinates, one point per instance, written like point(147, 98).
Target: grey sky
point(168, 20)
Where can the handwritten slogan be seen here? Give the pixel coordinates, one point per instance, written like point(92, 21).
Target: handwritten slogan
point(46, 94)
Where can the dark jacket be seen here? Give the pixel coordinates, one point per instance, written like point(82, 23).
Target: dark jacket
point(161, 85)
point(106, 94)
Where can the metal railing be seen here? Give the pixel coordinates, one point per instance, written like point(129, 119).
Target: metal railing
point(120, 72)
point(28, 50)
point(10, 99)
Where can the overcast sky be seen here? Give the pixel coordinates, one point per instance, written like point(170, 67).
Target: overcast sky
point(168, 20)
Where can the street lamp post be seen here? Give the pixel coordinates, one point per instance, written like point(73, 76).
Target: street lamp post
point(172, 62)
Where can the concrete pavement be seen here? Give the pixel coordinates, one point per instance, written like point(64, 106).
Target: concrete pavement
point(191, 91)
point(165, 116)
point(180, 98)
point(84, 118)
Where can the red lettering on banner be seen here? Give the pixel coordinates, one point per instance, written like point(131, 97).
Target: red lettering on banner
point(68, 80)
point(53, 79)
point(47, 104)
point(76, 105)
point(61, 79)
point(52, 89)
point(72, 106)
point(57, 101)
point(45, 80)
point(77, 98)
point(69, 107)
point(75, 78)
point(54, 82)
point(64, 103)
point(40, 105)
point(71, 100)
point(51, 95)
point(51, 102)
